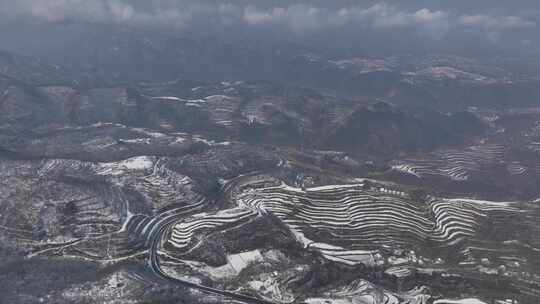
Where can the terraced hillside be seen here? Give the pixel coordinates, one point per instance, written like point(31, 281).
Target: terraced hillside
point(456, 164)
point(376, 227)
point(205, 219)
point(255, 192)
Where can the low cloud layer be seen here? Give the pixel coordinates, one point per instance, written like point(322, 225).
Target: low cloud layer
point(379, 16)
point(365, 25)
point(298, 17)
point(491, 23)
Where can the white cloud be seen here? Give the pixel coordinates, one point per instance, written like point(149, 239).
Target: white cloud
point(426, 16)
point(384, 16)
point(296, 17)
point(255, 16)
point(493, 23)
point(377, 16)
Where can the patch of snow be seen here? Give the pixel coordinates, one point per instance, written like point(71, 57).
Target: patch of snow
point(129, 216)
point(242, 260)
point(119, 168)
point(210, 142)
point(137, 141)
point(149, 133)
point(404, 168)
point(327, 301)
point(196, 101)
point(172, 98)
point(137, 163)
point(332, 187)
point(462, 301)
point(324, 246)
point(480, 202)
point(221, 272)
point(179, 140)
point(236, 263)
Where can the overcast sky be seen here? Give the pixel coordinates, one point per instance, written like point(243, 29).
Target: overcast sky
point(488, 23)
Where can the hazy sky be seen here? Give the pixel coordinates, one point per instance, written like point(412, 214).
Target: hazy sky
point(426, 23)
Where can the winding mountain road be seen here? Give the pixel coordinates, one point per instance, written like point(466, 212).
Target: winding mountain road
point(155, 238)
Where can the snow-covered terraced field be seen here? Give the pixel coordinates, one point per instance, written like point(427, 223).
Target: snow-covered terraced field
point(184, 232)
point(375, 225)
point(355, 224)
point(348, 223)
point(455, 164)
point(360, 291)
point(141, 228)
point(150, 207)
point(118, 215)
point(515, 168)
point(222, 109)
